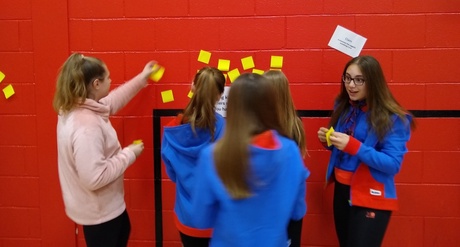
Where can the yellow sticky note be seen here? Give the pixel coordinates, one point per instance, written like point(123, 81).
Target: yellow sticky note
point(157, 75)
point(223, 65)
point(204, 56)
point(167, 96)
point(8, 91)
point(247, 62)
point(328, 134)
point(258, 71)
point(190, 94)
point(137, 141)
point(276, 62)
point(233, 74)
point(2, 76)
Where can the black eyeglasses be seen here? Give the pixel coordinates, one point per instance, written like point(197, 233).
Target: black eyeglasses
point(357, 80)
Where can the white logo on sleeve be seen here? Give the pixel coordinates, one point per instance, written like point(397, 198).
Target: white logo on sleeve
point(376, 192)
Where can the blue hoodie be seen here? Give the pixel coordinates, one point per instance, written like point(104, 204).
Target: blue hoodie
point(278, 186)
point(179, 150)
point(372, 164)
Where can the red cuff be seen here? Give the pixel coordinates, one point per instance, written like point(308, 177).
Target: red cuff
point(353, 146)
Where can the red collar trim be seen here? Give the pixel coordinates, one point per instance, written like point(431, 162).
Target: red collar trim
point(176, 121)
point(265, 140)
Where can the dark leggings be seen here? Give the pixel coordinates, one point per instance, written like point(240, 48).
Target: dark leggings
point(295, 232)
point(189, 241)
point(113, 233)
point(357, 226)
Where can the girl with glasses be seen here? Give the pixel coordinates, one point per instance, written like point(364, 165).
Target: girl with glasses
point(367, 149)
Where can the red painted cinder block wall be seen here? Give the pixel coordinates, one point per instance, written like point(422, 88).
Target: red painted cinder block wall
point(417, 43)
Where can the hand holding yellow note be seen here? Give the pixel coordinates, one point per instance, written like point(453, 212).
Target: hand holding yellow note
point(156, 76)
point(137, 141)
point(328, 135)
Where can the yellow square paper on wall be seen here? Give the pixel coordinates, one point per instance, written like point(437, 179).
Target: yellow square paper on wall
point(2, 76)
point(8, 91)
point(247, 62)
point(204, 56)
point(233, 74)
point(223, 65)
point(276, 62)
point(258, 71)
point(167, 96)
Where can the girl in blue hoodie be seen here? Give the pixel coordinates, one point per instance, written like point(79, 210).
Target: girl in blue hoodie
point(252, 182)
point(183, 138)
point(293, 126)
point(367, 149)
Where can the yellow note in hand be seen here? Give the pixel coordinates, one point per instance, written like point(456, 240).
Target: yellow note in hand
point(328, 135)
point(157, 75)
point(137, 141)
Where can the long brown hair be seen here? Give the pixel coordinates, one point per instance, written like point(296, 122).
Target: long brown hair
point(209, 84)
point(290, 122)
point(74, 77)
point(251, 109)
point(380, 101)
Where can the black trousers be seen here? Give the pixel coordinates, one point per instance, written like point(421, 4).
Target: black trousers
point(357, 226)
point(295, 232)
point(113, 233)
point(189, 241)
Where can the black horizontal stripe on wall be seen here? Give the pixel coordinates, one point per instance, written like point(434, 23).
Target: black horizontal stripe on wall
point(158, 114)
point(416, 113)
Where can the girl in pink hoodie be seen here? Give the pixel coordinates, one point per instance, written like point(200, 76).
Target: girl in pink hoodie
point(91, 161)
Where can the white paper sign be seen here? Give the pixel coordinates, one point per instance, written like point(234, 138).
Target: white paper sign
point(347, 41)
point(221, 105)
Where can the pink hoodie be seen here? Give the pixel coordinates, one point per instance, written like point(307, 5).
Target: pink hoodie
point(91, 161)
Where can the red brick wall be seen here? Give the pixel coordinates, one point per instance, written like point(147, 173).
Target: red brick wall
point(417, 43)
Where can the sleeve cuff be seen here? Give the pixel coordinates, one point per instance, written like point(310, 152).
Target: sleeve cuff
point(131, 155)
point(353, 146)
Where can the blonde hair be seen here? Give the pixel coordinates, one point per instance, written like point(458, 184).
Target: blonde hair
point(209, 84)
point(251, 110)
point(74, 77)
point(290, 122)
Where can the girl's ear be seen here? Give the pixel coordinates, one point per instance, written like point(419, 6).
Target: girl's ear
point(193, 87)
point(96, 83)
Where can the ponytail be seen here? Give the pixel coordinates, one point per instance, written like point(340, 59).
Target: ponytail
point(209, 85)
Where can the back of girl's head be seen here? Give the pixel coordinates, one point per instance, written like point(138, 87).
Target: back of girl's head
point(252, 104)
point(281, 84)
point(290, 122)
point(73, 81)
point(209, 84)
point(251, 109)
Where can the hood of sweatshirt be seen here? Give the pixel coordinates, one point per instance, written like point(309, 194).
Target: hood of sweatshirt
point(96, 107)
point(183, 140)
point(267, 158)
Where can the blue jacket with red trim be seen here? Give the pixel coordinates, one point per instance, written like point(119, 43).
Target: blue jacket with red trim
point(278, 184)
point(180, 148)
point(373, 163)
